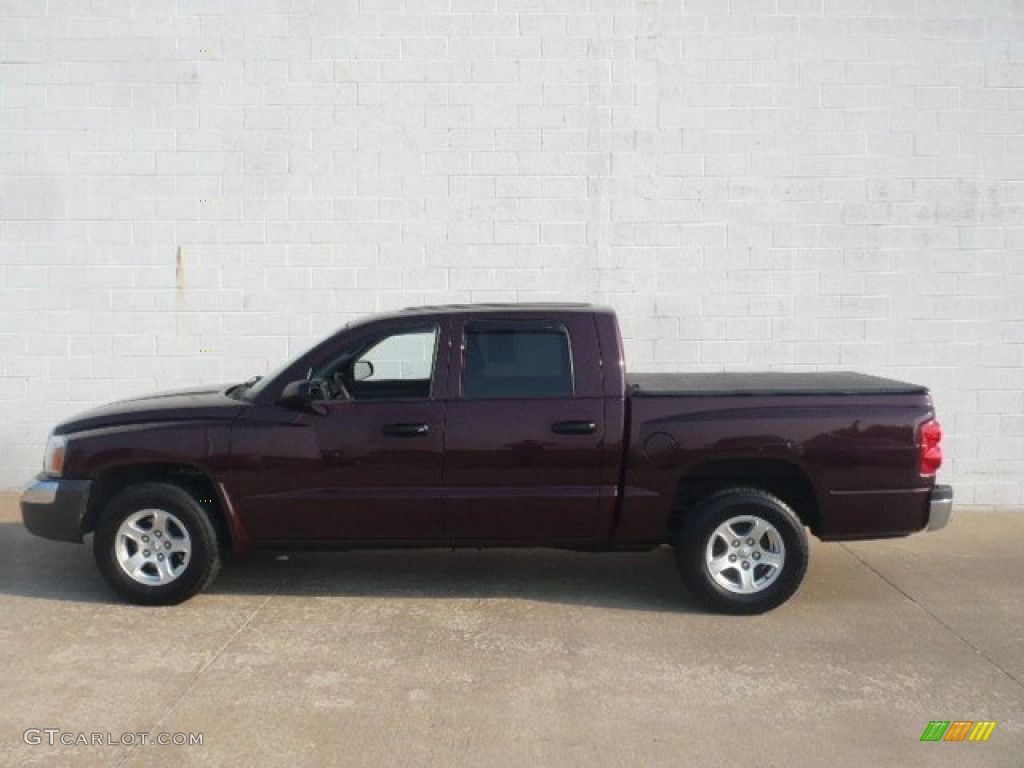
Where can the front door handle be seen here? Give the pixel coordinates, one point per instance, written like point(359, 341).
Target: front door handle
point(574, 427)
point(406, 430)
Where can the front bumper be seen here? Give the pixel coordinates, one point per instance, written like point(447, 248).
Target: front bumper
point(940, 507)
point(55, 507)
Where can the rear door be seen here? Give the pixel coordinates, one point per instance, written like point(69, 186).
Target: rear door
point(525, 436)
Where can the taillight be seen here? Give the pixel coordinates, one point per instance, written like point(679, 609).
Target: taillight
point(930, 448)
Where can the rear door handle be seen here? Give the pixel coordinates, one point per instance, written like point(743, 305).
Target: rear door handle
point(574, 427)
point(406, 430)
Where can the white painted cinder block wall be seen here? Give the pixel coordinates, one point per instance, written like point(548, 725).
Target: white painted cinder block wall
point(788, 184)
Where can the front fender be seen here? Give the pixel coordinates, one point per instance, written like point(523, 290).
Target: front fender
point(203, 445)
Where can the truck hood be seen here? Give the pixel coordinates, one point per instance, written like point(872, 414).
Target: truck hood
point(204, 404)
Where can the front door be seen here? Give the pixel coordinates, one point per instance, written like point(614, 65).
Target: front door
point(368, 467)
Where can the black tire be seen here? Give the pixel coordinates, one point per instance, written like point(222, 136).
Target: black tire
point(154, 545)
point(751, 578)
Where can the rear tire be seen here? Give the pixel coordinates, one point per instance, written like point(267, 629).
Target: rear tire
point(154, 545)
point(741, 551)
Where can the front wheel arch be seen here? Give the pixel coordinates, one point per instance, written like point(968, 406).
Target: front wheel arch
point(191, 479)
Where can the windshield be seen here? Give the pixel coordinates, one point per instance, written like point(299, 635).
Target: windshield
point(252, 391)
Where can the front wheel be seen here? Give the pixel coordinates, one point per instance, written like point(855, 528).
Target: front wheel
point(741, 551)
point(154, 545)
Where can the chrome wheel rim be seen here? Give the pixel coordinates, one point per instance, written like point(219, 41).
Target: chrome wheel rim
point(745, 554)
point(153, 547)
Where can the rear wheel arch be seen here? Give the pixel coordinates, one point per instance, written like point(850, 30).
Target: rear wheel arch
point(785, 480)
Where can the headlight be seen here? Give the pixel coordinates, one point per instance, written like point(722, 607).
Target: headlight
point(53, 460)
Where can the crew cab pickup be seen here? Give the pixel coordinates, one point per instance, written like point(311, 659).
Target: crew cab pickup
point(494, 426)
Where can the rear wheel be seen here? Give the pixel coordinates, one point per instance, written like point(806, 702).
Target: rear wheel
point(742, 551)
point(154, 545)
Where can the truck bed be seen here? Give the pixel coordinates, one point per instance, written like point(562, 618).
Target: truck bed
point(764, 384)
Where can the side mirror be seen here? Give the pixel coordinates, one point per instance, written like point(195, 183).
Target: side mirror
point(362, 370)
point(303, 395)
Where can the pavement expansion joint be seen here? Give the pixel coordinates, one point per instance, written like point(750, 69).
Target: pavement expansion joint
point(202, 670)
point(921, 606)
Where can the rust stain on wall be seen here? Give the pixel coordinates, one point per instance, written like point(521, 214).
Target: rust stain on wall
point(179, 269)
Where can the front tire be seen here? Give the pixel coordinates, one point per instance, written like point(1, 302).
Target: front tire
point(154, 545)
point(741, 551)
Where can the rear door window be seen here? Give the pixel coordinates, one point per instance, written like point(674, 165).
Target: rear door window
point(513, 360)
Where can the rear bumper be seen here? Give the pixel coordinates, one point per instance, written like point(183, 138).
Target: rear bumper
point(940, 507)
point(54, 507)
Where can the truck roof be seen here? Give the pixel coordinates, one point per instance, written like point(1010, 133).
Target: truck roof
point(525, 307)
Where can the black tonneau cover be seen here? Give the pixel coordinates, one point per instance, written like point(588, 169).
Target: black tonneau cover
point(770, 383)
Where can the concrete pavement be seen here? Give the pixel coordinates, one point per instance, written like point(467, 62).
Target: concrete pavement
point(518, 658)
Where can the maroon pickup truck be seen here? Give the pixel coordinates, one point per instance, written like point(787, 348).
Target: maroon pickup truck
point(494, 426)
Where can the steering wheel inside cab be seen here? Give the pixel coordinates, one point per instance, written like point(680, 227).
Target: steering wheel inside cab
point(324, 385)
point(337, 387)
point(329, 386)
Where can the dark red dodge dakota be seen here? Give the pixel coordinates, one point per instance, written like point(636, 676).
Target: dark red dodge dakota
point(494, 426)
